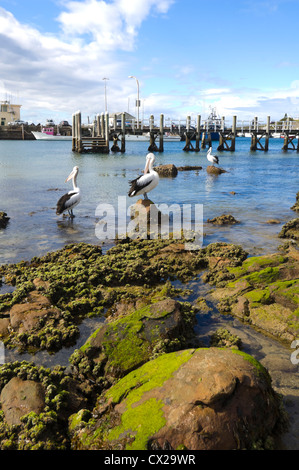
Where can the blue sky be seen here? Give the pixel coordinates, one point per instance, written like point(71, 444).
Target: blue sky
point(188, 55)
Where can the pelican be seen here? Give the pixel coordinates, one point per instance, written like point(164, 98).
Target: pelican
point(212, 158)
point(146, 182)
point(69, 200)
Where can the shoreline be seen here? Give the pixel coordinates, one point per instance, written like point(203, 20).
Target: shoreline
point(217, 263)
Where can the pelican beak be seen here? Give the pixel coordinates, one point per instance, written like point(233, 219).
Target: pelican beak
point(146, 167)
point(70, 176)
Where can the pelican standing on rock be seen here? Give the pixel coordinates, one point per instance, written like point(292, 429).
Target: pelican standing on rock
point(147, 182)
point(69, 200)
point(212, 158)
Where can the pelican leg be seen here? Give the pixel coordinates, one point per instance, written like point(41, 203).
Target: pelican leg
point(145, 196)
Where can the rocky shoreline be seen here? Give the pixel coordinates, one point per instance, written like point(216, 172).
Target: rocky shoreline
point(143, 380)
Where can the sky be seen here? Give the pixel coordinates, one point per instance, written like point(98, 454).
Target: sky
point(188, 56)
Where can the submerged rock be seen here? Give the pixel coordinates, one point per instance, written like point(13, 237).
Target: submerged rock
point(196, 399)
point(3, 219)
point(224, 219)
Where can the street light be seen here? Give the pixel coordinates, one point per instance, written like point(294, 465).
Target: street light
point(138, 102)
point(105, 94)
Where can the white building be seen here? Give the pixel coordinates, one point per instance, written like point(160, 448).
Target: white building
point(9, 112)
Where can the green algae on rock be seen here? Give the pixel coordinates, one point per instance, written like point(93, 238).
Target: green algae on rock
point(264, 291)
point(127, 342)
point(28, 425)
point(79, 281)
point(197, 399)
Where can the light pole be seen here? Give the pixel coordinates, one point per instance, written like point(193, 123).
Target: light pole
point(138, 102)
point(105, 81)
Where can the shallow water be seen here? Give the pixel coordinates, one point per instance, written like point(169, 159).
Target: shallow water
point(33, 173)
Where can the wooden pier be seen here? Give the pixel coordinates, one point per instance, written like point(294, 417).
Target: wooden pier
point(97, 136)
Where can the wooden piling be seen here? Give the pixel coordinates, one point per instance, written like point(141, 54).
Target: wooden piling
point(253, 145)
point(161, 146)
point(102, 134)
point(74, 126)
point(107, 129)
point(203, 137)
point(98, 126)
point(234, 132)
point(79, 134)
point(123, 133)
point(197, 137)
point(267, 134)
point(152, 146)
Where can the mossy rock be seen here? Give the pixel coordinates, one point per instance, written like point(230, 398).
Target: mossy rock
point(124, 344)
point(264, 291)
point(43, 429)
point(196, 399)
point(79, 281)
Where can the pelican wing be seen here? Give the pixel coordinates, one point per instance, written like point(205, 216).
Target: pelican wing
point(67, 201)
point(140, 183)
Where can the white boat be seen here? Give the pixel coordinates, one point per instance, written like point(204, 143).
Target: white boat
point(47, 133)
point(146, 137)
point(137, 138)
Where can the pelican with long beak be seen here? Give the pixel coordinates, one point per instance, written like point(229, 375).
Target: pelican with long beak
point(212, 158)
point(146, 182)
point(71, 199)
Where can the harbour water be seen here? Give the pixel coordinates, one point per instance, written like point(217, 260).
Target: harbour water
point(256, 188)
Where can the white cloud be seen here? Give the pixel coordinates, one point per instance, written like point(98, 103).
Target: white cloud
point(111, 25)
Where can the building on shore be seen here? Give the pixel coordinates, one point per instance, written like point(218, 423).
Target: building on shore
point(9, 112)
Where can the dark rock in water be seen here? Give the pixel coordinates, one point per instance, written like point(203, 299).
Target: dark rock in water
point(295, 207)
point(225, 219)
point(215, 170)
point(189, 168)
point(166, 170)
point(3, 219)
point(290, 230)
point(199, 399)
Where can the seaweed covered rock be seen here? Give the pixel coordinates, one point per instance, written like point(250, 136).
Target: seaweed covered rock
point(264, 292)
point(290, 230)
point(196, 399)
point(35, 407)
point(124, 344)
point(224, 219)
point(79, 281)
point(295, 207)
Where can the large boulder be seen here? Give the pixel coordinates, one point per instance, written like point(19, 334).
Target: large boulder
point(196, 399)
